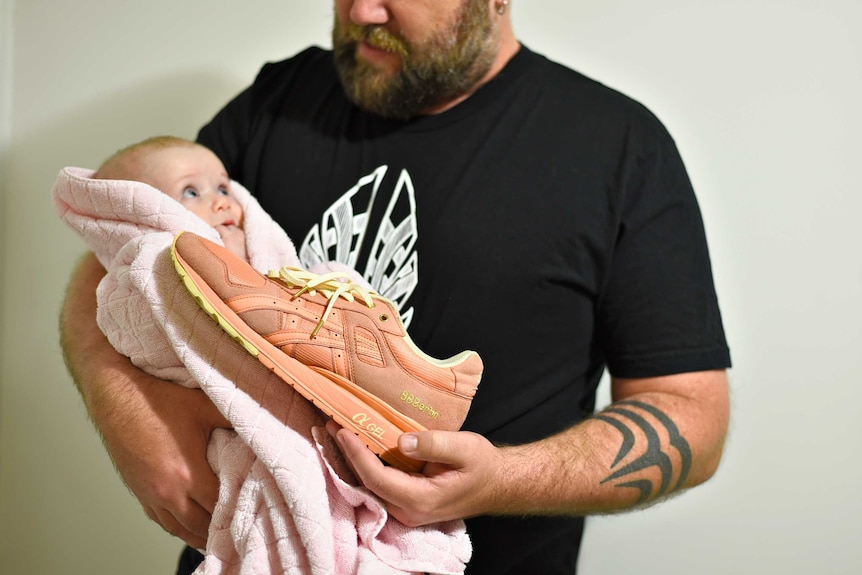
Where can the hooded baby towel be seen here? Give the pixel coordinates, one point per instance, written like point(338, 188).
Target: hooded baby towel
point(284, 505)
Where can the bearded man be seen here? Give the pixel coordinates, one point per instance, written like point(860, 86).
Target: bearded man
point(508, 205)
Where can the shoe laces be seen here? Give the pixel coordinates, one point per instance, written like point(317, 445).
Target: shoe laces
point(331, 285)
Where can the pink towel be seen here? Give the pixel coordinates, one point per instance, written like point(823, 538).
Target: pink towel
point(287, 502)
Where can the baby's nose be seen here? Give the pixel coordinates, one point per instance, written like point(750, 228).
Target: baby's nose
point(220, 202)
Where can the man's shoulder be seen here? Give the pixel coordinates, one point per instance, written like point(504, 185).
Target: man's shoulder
point(308, 75)
point(573, 93)
point(310, 60)
point(568, 78)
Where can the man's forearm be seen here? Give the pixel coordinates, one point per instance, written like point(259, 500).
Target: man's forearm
point(155, 431)
point(639, 450)
point(89, 357)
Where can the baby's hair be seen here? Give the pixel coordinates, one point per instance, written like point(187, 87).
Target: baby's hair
point(121, 164)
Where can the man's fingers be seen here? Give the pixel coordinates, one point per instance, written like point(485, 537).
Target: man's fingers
point(356, 452)
point(169, 523)
point(206, 494)
point(195, 522)
point(438, 446)
point(189, 517)
point(454, 475)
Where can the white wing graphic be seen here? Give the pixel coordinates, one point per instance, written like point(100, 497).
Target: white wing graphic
point(343, 226)
point(393, 267)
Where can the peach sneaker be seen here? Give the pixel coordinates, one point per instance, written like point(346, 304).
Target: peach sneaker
point(339, 344)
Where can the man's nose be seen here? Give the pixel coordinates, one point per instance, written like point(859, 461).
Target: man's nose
point(364, 12)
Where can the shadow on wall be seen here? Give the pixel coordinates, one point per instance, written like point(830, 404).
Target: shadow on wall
point(177, 105)
point(36, 390)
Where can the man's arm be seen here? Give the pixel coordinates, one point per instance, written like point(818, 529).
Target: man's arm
point(155, 431)
point(661, 435)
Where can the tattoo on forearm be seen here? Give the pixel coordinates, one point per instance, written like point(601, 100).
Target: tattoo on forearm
point(627, 415)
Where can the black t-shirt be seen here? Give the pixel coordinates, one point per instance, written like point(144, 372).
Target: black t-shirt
point(546, 222)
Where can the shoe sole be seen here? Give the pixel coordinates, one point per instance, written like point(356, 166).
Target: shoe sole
point(352, 407)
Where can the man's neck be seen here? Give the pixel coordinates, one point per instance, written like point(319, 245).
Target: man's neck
point(509, 46)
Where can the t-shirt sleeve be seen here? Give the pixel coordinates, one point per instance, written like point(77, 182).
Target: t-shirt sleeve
point(658, 312)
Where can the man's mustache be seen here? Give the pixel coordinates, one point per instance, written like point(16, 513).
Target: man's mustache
point(377, 37)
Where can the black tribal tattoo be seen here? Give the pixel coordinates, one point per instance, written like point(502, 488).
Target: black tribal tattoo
point(653, 456)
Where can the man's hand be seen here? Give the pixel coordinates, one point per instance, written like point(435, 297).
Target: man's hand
point(158, 439)
point(456, 482)
point(155, 431)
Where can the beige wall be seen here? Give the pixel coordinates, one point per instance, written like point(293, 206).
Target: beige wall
point(763, 99)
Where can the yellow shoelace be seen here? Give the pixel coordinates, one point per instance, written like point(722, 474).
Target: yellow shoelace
point(332, 285)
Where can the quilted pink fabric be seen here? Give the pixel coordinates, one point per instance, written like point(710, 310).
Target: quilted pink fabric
point(287, 503)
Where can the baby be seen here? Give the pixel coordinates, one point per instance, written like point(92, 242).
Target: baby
point(187, 172)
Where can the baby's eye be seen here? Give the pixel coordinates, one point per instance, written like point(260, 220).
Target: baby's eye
point(190, 193)
point(224, 191)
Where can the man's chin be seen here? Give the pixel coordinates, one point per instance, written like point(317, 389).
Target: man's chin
point(375, 67)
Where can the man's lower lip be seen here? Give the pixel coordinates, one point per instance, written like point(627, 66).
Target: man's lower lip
point(369, 52)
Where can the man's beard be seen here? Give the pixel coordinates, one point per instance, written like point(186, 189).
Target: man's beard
point(448, 65)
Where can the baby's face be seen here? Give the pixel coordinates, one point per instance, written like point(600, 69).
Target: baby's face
point(195, 177)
